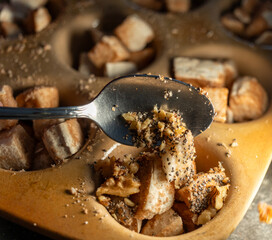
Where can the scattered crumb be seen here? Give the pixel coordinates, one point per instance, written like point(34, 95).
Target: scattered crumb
point(265, 213)
point(234, 143)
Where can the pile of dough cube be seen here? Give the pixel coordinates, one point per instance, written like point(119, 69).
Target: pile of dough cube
point(23, 16)
point(251, 20)
point(235, 98)
point(37, 144)
point(127, 51)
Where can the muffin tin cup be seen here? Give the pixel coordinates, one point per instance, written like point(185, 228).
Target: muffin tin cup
point(38, 199)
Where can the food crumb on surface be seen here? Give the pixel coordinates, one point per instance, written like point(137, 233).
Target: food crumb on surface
point(265, 213)
point(234, 143)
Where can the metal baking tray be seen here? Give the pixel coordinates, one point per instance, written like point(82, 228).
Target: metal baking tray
point(38, 200)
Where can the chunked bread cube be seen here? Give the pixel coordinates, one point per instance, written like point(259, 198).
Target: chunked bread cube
point(198, 72)
point(16, 149)
point(63, 140)
point(38, 20)
point(117, 69)
point(165, 225)
point(135, 33)
point(198, 193)
point(256, 27)
point(7, 100)
point(248, 99)
point(6, 13)
point(40, 125)
point(42, 158)
point(178, 161)
point(156, 194)
point(219, 99)
point(109, 49)
point(10, 29)
point(152, 4)
point(233, 24)
point(179, 6)
point(231, 72)
point(188, 217)
point(39, 97)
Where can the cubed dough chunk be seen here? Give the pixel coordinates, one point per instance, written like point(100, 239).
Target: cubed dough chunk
point(188, 217)
point(123, 214)
point(10, 29)
point(38, 20)
point(206, 216)
point(135, 33)
point(199, 73)
point(109, 49)
point(31, 4)
point(179, 6)
point(40, 125)
point(257, 26)
point(42, 158)
point(16, 149)
point(142, 58)
point(248, 99)
point(233, 24)
point(7, 100)
point(6, 13)
point(165, 225)
point(231, 72)
point(156, 194)
point(219, 99)
point(152, 4)
point(39, 97)
point(63, 140)
point(198, 193)
point(178, 160)
point(117, 69)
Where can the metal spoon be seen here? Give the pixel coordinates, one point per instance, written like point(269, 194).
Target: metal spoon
point(133, 93)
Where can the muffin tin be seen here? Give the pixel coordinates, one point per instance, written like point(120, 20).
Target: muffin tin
point(40, 200)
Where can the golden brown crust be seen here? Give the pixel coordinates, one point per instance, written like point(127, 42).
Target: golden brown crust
point(248, 99)
point(219, 99)
point(7, 100)
point(63, 140)
point(39, 97)
point(109, 49)
point(16, 149)
point(186, 215)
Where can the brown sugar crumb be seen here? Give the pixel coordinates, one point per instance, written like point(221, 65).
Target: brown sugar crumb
point(265, 213)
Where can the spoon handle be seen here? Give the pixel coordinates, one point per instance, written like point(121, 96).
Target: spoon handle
point(44, 113)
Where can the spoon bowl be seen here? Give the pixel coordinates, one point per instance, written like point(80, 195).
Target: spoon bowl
point(133, 93)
